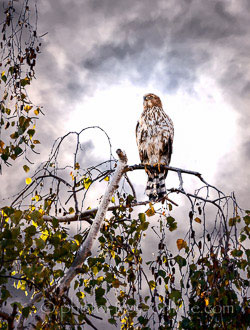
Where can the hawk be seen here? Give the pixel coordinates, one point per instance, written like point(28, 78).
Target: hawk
point(154, 137)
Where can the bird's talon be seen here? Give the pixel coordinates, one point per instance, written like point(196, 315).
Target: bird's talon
point(146, 170)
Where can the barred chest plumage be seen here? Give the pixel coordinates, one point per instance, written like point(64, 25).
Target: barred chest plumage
point(154, 137)
point(154, 120)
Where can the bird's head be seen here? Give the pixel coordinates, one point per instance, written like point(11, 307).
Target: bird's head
point(151, 100)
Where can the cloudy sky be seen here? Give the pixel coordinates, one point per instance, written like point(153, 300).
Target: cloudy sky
point(100, 56)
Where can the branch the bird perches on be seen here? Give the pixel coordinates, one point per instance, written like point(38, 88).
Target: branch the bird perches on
point(88, 214)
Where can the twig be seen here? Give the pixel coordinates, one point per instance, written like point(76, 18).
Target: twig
point(85, 216)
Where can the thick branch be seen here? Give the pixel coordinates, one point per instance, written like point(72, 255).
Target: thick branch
point(85, 249)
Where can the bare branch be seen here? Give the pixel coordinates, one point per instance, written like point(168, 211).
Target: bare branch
point(85, 216)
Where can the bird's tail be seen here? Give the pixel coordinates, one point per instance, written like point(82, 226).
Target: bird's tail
point(156, 188)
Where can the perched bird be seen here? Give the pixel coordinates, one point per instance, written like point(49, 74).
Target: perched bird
point(154, 137)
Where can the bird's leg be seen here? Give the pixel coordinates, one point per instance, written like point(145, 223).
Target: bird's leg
point(146, 170)
point(159, 165)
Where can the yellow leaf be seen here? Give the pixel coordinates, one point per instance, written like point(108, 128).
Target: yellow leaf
point(106, 178)
point(27, 108)
point(36, 112)
point(160, 298)
point(113, 199)
point(113, 254)
point(77, 166)
point(207, 301)
point(3, 73)
point(13, 273)
point(44, 235)
point(86, 282)
point(28, 180)
point(197, 220)
point(151, 211)
point(95, 270)
point(100, 279)
point(34, 223)
point(4, 214)
point(152, 285)
point(71, 210)
point(41, 211)
point(181, 244)
point(77, 242)
point(82, 295)
point(87, 182)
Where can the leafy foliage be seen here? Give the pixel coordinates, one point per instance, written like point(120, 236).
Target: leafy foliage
point(198, 280)
point(20, 46)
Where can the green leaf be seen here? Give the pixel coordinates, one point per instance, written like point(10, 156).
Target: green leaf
point(175, 295)
point(55, 222)
point(18, 151)
point(162, 273)
point(16, 217)
point(131, 301)
point(26, 168)
point(143, 306)
point(247, 219)
point(40, 243)
point(233, 221)
point(4, 78)
point(237, 253)
point(142, 320)
point(5, 293)
point(242, 237)
point(25, 81)
point(180, 261)
point(99, 292)
point(31, 230)
point(4, 157)
point(112, 321)
point(142, 217)
point(26, 311)
point(31, 132)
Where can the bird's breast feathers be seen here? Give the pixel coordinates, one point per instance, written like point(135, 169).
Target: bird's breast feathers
point(154, 122)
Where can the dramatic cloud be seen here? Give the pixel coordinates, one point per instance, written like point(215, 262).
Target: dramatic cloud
point(174, 46)
point(99, 57)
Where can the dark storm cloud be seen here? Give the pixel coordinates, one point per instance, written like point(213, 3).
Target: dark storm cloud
point(181, 37)
point(172, 42)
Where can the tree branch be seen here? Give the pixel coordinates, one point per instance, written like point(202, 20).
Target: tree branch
point(85, 216)
point(85, 249)
point(169, 168)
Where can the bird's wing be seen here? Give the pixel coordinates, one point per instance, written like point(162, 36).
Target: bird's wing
point(141, 136)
